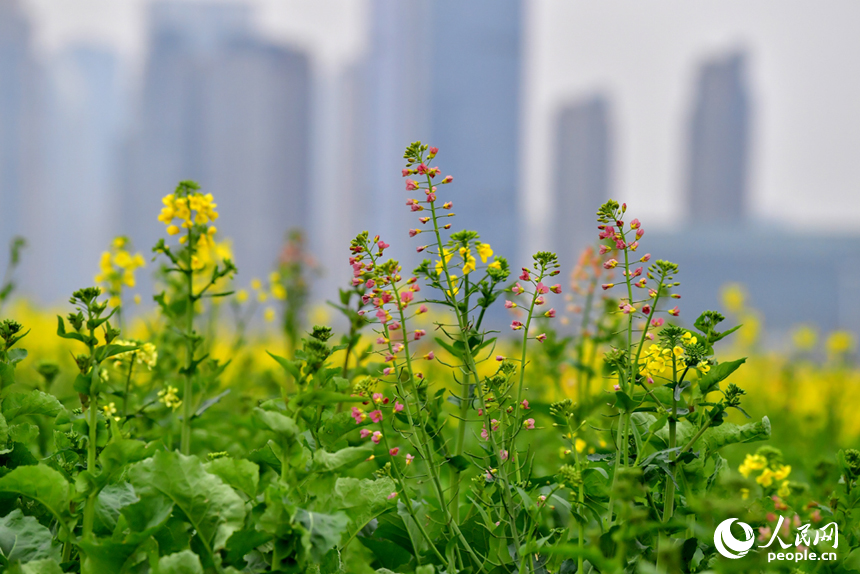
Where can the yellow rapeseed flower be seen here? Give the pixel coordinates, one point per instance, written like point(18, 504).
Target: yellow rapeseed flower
point(782, 472)
point(484, 251)
point(804, 338)
point(840, 342)
point(765, 478)
point(752, 462)
point(734, 297)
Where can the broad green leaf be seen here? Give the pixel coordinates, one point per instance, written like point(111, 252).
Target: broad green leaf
point(717, 437)
point(23, 539)
point(110, 501)
point(41, 483)
point(148, 514)
point(113, 460)
point(7, 375)
point(17, 355)
point(301, 535)
point(4, 435)
point(325, 530)
point(23, 432)
point(32, 403)
point(242, 542)
point(241, 474)
point(364, 499)
point(185, 562)
point(342, 459)
point(213, 508)
point(283, 426)
point(717, 374)
point(45, 566)
point(335, 427)
point(595, 480)
point(101, 556)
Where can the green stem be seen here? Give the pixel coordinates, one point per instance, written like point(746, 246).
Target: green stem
point(187, 403)
point(89, 509)
point(669, 500)
point(128, 387)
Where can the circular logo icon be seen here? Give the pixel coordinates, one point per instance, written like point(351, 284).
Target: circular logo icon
point(727, 544)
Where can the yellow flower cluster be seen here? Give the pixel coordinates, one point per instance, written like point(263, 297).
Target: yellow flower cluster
point(469, 263)
point(484, 250)
point(117, 268)
point(756, 462)
point(169, 397)
point(110, 410)
point(146, 354)
point(751, 463)
point(655, 361)
point(195, 208)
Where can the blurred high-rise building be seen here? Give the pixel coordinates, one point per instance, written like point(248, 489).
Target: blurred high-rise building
point(19, 120)
point(224, 107)
point(719, 141)
point(475, 64)
point(581, 167)
point(447, 73)
point(76, 202)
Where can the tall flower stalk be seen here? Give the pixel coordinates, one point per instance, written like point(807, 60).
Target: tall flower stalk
point(190, 214)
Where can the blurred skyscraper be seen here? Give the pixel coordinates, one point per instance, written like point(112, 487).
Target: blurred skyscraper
point(719, 142)
point(230, 110)
point(582, 165)
point(77, 201)
point(447, 73)
point(476, 63)
point(19, 121)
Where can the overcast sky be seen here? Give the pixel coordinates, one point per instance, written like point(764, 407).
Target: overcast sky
point(803, 75)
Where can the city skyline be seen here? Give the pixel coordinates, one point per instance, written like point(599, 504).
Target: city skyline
point(286, 133)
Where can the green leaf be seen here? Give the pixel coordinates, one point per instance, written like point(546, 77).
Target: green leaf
point(241, 474)
point(23, 539)
point(4, 435)
point(108, 351)
point(208, 403)
point(185, 562)
point(213, 508)
point(23, 432)
point(17, 355)
point(41, 483)
point(113, 459)
point(82, 384)
point(242, 542)
point(301, 535)
point(325, 531)
point(624, 402)
point(283, 426)
point(61, 332)
point(364, 499)
point(711, 381)
point(7, 374)
point(46, 566)
point(595, 481)
point(31, 403)
point(110, 501)
point(292, 367)
point(342, 459)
